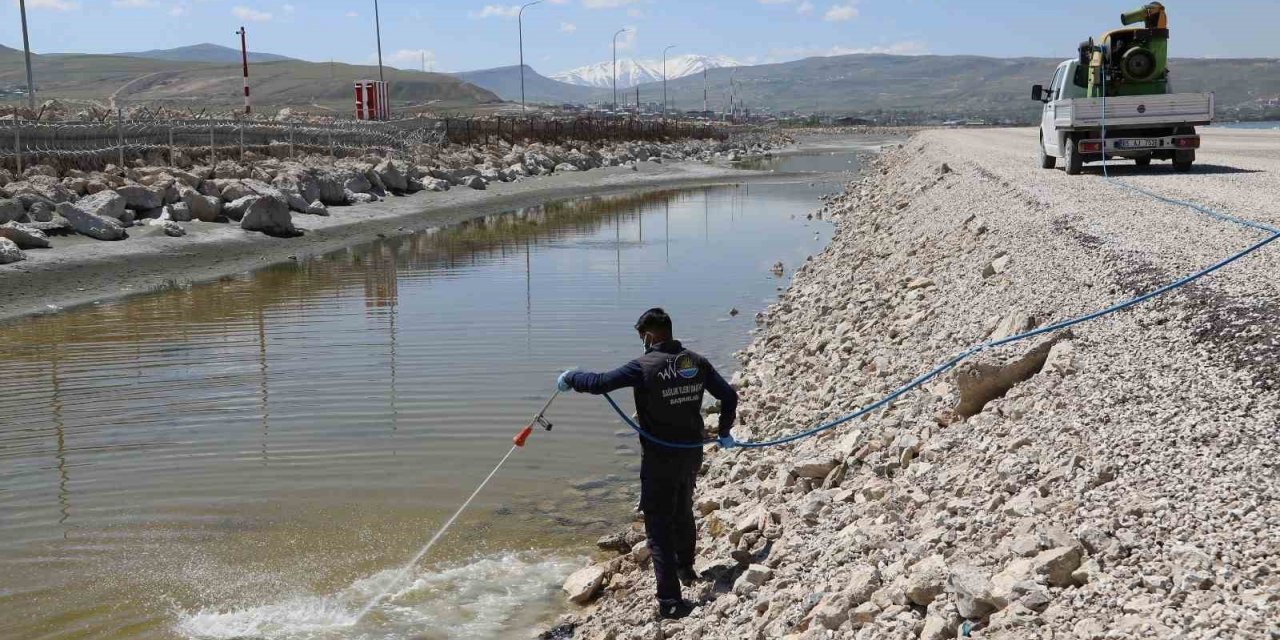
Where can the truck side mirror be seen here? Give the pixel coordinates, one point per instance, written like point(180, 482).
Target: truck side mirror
point(1037, 93)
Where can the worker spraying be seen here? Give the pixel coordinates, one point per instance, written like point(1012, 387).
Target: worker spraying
point(668, 382)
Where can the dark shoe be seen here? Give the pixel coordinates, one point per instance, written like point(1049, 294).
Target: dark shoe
point(687, 576)
point(674, 609)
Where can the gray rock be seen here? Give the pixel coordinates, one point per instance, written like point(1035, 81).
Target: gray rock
point(235, 210)
point(89, 224)
point(475, 182)
point(583, 585)
point(393, 178)
point(357, 183)
point(360, 198)
point(815, 467)
point(9, 251)
point(927, 580)
point(1057, 565)
point(268, 215)
point(41, 212)
point(177, 212)
point(108, 204)
point(317, 208)
point(565, 167)
point(172, 229)
point(24, 236)
point(203, 208)
point(11, 210)
point(973, 592)
point(138, 197)
point(436, 184)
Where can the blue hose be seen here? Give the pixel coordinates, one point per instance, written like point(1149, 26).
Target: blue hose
point(963, 355)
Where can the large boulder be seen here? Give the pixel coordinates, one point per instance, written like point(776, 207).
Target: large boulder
point(298, 182)
point(108, 204)
point(357, 183)
point(11, 210)
point(141, 198)
point(331, 182)
point(44, 187)
point(475, 182)
point(435, 184)
point(9, 251)
point(268, 215)
point(24, 236)
point(393, 178)
point(202, 207)
point(974, 593)
point(236, 209)
point(90, 224)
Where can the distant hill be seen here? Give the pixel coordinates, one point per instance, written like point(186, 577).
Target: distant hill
point(295, 83)
point(944, 85)
point(505, 81)
point(204, 52)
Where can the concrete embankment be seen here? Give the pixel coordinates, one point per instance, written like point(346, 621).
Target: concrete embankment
point(1118, 481)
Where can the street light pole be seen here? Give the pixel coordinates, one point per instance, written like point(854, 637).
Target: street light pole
point(664, 80)
point(615, 66)
point(377, 25)
point(26, 46)
point(520, 26)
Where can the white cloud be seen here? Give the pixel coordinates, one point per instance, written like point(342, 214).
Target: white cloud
point(288, 8)
point(56, 5)
point(178, 10)
point(351, 14)
point(568, 27)
point(410, 58)
point(841, 13)
point(607, 4)
point(252, 15)
point(498, 11)
point(635, 13)
point(805, 8)
point(132, 4)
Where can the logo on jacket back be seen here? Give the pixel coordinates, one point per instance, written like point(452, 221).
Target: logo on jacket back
point(682, 365)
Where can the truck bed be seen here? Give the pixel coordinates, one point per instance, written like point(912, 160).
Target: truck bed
point(1135, 111)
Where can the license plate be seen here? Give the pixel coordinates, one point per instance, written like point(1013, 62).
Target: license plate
point(1137, 143)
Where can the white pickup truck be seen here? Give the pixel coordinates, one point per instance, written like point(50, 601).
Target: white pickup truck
point(1138, 127)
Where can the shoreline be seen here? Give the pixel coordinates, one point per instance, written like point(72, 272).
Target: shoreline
point(1112, 492)
point(80, 271)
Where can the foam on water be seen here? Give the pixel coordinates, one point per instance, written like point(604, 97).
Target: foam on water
point(490, 596)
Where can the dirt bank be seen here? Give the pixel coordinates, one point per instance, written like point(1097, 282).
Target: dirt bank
point(1129, 488)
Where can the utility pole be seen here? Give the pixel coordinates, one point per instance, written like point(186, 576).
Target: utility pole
point(377, 25)
point(520, 27)
point(704, 91)
point(244, 60)
point(664, 80)
point(26, 47)
point(424, 61)
point(615, 66)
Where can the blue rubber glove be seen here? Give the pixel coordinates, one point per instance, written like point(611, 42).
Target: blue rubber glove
point(727, 442)
point(562, 383)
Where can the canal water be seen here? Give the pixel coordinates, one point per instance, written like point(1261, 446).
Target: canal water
point(256, 457)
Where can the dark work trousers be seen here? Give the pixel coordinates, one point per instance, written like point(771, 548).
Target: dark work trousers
point(667, 479)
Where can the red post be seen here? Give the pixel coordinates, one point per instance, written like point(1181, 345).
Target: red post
point(244, 58)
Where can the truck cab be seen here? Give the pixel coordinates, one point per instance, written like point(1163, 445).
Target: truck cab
point(1078, 129)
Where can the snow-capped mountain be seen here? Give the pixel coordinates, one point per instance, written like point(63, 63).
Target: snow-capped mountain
point(632, 72)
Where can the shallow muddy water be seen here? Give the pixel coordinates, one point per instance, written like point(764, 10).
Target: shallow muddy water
point(257, 456)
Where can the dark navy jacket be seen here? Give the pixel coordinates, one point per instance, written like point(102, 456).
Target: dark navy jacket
point(668, 381)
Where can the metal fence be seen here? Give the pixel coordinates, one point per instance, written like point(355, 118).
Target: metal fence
point(90, 146)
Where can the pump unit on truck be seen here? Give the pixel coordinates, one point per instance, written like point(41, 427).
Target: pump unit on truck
point(1127, 72)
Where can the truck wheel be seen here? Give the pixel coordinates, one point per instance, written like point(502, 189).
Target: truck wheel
point(1071, 157)
point(1143, 162)
point(1046, 161)
point(1182, 160)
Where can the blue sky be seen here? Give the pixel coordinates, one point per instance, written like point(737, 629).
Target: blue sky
point(460, 35)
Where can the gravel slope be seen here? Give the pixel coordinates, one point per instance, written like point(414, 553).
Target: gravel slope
point(1128, 489)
